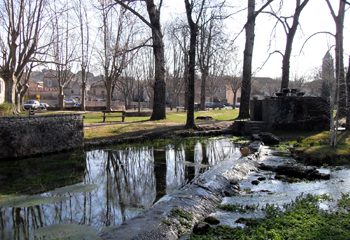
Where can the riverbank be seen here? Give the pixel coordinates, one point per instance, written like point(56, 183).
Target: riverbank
point(244, 193)
point(272, 206)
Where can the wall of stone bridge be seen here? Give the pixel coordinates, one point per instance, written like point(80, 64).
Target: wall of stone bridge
point(32, 135)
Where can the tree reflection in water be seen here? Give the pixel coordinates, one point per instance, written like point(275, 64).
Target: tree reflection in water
point(128, 181)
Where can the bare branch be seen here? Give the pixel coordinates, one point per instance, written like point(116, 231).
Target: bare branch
point(312, 35)
point(267, 59)
point(331, 9)
point(126, 6)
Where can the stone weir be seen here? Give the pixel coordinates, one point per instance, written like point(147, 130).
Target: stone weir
point(175, 214)
point(28, 136)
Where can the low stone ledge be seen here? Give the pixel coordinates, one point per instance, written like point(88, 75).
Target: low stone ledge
point(24, 136)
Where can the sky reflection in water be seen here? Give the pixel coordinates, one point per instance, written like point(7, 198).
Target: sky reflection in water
point(110, 185)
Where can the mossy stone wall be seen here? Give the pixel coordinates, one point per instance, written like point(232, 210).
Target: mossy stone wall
point(32, 135)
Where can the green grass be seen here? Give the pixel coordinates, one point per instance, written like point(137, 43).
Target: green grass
point(301, 220)
point(314, 148)
point(176, 117)
point(135, 124)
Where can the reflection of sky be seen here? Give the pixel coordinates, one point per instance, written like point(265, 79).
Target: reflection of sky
point(125, 186)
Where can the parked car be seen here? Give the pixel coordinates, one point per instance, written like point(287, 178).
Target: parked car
point(71, 102)
point(44, 106)
point(31, 104)
point(214, 105)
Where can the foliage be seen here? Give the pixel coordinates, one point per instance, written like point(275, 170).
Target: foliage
point(238, 208)
point(301, 220)
point(6, 109)
point(177, 212)
point(344, 201)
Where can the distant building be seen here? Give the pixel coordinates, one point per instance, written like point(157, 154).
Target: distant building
point(261, 88)
point(2, 91)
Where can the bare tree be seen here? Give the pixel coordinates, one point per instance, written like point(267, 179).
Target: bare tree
point(290, 31)
point(192, 7)
point(235, 83)
point(63, 47)
point(210, 32)
point(176, 81)
point(19, 40)
point(82, 14)
point(125, 85)
point(23, 84)
point(179, 36)
point(340, 91)
point(118, 33)
point(248, 57)
point(158, 50)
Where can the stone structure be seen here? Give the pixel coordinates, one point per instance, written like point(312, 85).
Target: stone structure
point(292, 113)
point(33, 135)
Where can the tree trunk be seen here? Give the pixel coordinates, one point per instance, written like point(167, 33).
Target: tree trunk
point(289, 44)
point(10, 88)
point(22, 94)
point(83, 90)
point(348, 99)
point(286, 61)
point(61, 98)
point(247, 62)
point(191, 79)
point(159, 104)
point(108, 95)
point(203, 87)
point(186, 63)
point(339, 67)
point(234, 99)
point(191, 66)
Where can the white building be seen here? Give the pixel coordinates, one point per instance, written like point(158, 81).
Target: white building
point(2, 91)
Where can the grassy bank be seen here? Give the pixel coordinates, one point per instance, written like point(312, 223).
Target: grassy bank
point(301, 220)
point(314, 147)
point(96, 129)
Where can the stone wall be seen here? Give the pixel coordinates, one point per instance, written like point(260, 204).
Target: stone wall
point(292, 113)
point(27, 136)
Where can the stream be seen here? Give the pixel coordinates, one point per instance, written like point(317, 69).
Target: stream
point(94, 190)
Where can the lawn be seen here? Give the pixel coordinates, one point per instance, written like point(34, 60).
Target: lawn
point(96, 129)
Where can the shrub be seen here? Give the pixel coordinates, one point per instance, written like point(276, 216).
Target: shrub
point(6, 109)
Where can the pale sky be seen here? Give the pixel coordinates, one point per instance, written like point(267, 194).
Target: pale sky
point(315, 17)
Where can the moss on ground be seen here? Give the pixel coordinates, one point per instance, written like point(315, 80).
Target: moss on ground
point(302, 219)
point(314, 149)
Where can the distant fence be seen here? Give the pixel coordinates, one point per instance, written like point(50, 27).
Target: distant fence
point(27, 136)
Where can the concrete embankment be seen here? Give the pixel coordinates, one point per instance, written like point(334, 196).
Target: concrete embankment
point(175, 214)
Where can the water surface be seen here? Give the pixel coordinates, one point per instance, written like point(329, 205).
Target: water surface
point(99, 188)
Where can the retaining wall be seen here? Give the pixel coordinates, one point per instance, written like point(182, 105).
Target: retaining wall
point(26, 136)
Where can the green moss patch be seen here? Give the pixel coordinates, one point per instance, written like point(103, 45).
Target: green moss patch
point(314, 148)
point(302, 219)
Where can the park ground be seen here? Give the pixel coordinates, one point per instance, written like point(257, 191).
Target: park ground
point(303, 219)
point(297, 218)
